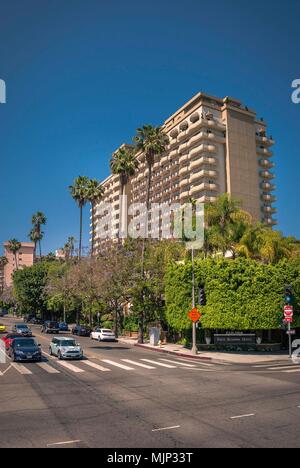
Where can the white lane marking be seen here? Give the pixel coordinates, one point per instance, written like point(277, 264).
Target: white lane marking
point(69, 366)
point(159, 363)
point(145, 366)
point(291, 371)
point(165, 428)
point(243, 416)
point(1, 374)
point(96, 366)
point(21, 369)
point(47, 368)
point(267, 365)
point(48, 355)
point(177, 362)
point(112, 363)
point(284, 367)
point(68, 442)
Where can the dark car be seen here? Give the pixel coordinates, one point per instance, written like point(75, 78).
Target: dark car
point(81, 330)
point(63, 327)
point(36, 321)
point(50, 327)
point(25, 349)
point(22, 329)
point(28, 318)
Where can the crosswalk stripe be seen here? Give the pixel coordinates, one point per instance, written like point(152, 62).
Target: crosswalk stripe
point(177, 362)
point(291, 371)
point(145, 366)
point(69, 366)
point(116, 364)
point(159, 363)
point(21, 369)
point(47, 368)
point(96, 366)
point(261, 366)
point(284, 368)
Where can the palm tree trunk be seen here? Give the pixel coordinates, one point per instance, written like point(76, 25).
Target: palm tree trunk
point(93, 229)
point(142, 315)
point(40, 248)
point(123, 206)
point(80, 234)
point(116, 321)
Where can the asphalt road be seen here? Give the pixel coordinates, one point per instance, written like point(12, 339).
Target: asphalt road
point(126, 397)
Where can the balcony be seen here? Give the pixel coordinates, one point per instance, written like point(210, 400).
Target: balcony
point(269, 198)
point(265, 152)
point(265, 140)
point(270, 221)
point(201, 174)
point(183, 147)
point(184, 194)
point(184, 158)
point(182, 136)
point(164, 160)
point(203, 187)
point(269, 209)
point(202, 161)
point(184, 171)
point(266, 163)
point(184, 182)
point(173, 154)
point(268, 187)
point(267, 175)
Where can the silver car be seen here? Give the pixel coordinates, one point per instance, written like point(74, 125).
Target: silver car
point(65, 348)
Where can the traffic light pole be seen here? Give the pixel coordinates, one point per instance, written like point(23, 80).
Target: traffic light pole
point(194, 348)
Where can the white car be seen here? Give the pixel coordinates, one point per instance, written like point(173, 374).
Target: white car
point(103, 334)
point(65, 348)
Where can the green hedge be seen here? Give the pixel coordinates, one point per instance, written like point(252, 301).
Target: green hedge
point(241, 294)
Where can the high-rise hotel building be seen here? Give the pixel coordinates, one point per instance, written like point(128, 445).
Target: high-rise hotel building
point(215, 146)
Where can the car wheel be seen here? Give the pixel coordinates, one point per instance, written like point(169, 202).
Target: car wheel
point(50, 352)
point(59, 356)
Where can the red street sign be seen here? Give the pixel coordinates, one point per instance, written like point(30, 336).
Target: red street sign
point(194, 315)
point(288, 319)
point(288, 311)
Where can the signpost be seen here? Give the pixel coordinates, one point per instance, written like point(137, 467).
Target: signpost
point(288, 316)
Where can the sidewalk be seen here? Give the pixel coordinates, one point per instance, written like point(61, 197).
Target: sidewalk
point(233, 358)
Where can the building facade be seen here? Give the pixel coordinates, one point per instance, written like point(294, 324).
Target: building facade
point(215, 146)
point(23, 258)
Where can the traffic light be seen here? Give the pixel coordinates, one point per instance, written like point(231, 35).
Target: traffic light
point(202, 296)
point(288, 295)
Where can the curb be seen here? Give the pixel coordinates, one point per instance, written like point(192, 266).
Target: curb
point(173, 353)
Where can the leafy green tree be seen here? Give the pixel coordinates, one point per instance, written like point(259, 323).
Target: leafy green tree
point(29, 286)
point(79, 193)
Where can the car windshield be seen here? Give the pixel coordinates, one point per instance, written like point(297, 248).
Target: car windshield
point(66, 343)
point(25, 343)
point(22, 327)
point(106, 331)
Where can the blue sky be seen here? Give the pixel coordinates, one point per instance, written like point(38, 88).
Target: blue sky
point(82, 75)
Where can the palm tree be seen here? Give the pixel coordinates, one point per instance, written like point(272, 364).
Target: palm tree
point(79, 193)
point(226, 223)
point(71, 246)
point(94, 193)
point(14, 246)
point(3, 262)
point(39, 220)
point(151, 141)
point(124, 164)
point(35, 237)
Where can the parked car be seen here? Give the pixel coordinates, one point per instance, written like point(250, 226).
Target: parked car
point(28, 318)
point(22, 329)
point(36, 321)
point(8, 339)
point(25, 349)
point(50, 327)
point(65, 348)
point(103, 334)
point(81, 330)
point(63, 327)
point(2, 328)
